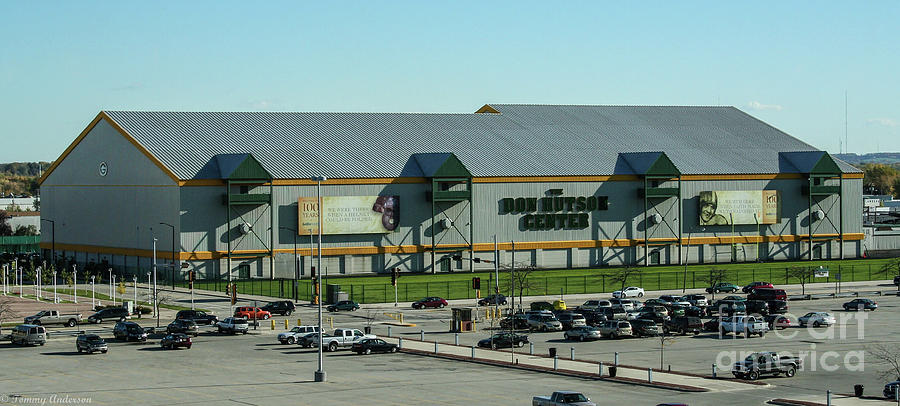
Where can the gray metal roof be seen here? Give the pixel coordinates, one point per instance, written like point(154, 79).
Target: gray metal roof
point(523, 140)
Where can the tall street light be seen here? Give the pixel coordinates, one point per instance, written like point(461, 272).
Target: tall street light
point(93, 304)
point(155, 291)
point(320, 374)
point(53, 243)
point(173, 252)
point(296, 261)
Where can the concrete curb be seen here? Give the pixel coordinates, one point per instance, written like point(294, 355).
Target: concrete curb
point(790, 402)
point(564, 372)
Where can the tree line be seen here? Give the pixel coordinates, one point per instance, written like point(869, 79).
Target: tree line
point(881, 179)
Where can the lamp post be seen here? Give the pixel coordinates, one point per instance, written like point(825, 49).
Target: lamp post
point(155, 292)
point(75, 282)
point(93, 305)
point(53, 240)
point(114, 291)
point(320, 373)
point(19, 270)
point(110, 284)
point(149, 294)
point(173, 252)
point(37, 285)
point(135, 291)
point(296, 261)
point(55, 298)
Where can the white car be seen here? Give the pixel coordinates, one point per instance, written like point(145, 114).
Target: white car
point(625, 304)
point(676, 300)
point(631, 291)
point(817, 319)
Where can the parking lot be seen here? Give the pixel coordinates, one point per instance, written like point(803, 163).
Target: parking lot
point(255, 369)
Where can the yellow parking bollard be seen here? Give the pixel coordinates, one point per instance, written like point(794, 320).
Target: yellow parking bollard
point(401, 318)
point(331, 322)
point(273, 324)
point(286, 323)
point(298, 322)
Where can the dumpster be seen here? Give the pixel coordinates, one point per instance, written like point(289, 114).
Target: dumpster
point(858, 390)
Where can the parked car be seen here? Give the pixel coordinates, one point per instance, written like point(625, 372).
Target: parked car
point(128, 330)
point(891, 388)
point(683, 325)
point(559, 305)
point(631, 291)
point(197, 316)
point(759, 307)
point(645, 328)
point(503, 340)
point(342, 338)
point(726, 308)
point(48, 317)
point(690, 311)
point(583, 333)
point(746, 325)
point(347, 305)
point(711, 325)
point(659, 313)
point(175, 340)
point(517, 321)
point(696, 300)
point(735, 298)
point(543, 322)
point(897, 280)
point(616, 329)
point(233, 325)
point(766, 363)
point(492, 300)
point(29, 334)
point(861, 304)
point(613, 313)
point(541, 306)
point(655, 302)
point(722, 287)
point(432, 302)
point(290, 337)
point(183, 326)
point(625, 304)
point(778, 321)
point(571, 320)
point(370, 345)
point(767, 294)
point(671, 299)
point(90, 343)
point(249, 312)
point(562, 398)
point(756, 285)
point(112, 313)
point(777, 306)
point(816, 319)
point(282, 307)
point(595, 304)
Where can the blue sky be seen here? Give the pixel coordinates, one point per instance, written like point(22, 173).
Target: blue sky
point(787, 63)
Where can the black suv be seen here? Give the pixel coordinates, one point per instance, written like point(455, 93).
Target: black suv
point(197, 316)
point(777, 306)
point(90, 343)
point(645, 328)
point(112, 313)
point(128, 330)
point(183, 326)
point(282, 307)
point(683, 325)
point(757, 307)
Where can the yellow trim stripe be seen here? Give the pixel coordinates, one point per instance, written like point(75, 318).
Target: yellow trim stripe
point(413, 249)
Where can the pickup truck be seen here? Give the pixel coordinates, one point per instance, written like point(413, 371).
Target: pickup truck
point(47, 317)
point(561, 398)
point(342, 338)
point(747, 325)
point(765, 363)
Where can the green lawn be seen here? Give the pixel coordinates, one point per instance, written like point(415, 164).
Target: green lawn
point(458, 285)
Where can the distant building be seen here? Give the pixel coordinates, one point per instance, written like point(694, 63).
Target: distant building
point(22, 203)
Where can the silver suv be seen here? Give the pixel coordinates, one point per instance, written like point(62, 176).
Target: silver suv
point(291, 337)
point(615, 329)
point(543, 322)
point(233, 325)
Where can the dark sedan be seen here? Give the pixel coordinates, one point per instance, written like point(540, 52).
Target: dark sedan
point(343, 305)
point(370, 345)
point(183, 326)
point(176, 340)
point(492, 300)
point(516, 321)
point(197, 316)
point(432, 302)
point(861, 304)
point(503, 340)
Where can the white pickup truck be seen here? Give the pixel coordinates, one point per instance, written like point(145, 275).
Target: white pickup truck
point(48, 317)
point(747, 325)
point(562, 398)
point(342, 338)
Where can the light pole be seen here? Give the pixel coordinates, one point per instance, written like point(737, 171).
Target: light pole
point(320, 373)
point(37, 285)
point(75, 282)
point(149, 294)
point(20, 282)
point(93, 305)
point(55, 298)
point(155, 292)
point(111, 284)
point(173, 252)
point(134, 305)
point(53, 240)
point(114, 291)
point(296, 261)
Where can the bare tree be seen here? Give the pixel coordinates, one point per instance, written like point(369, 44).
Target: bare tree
point(891, 268)
point(889, 356)
point(802, 274)
point(521, 272)
point(6, 309)
point(664, 340)
point(714, 277)
point(621, 275)
point(371, 316)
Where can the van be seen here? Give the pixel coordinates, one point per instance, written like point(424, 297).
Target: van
point(29, 334)
point(615, 329)
point(767, 294)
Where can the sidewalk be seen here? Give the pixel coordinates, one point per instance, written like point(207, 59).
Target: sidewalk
point(588, 369)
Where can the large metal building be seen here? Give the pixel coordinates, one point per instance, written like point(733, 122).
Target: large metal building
point(572, 186)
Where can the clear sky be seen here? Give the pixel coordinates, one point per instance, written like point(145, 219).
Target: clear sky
point(787, 63)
